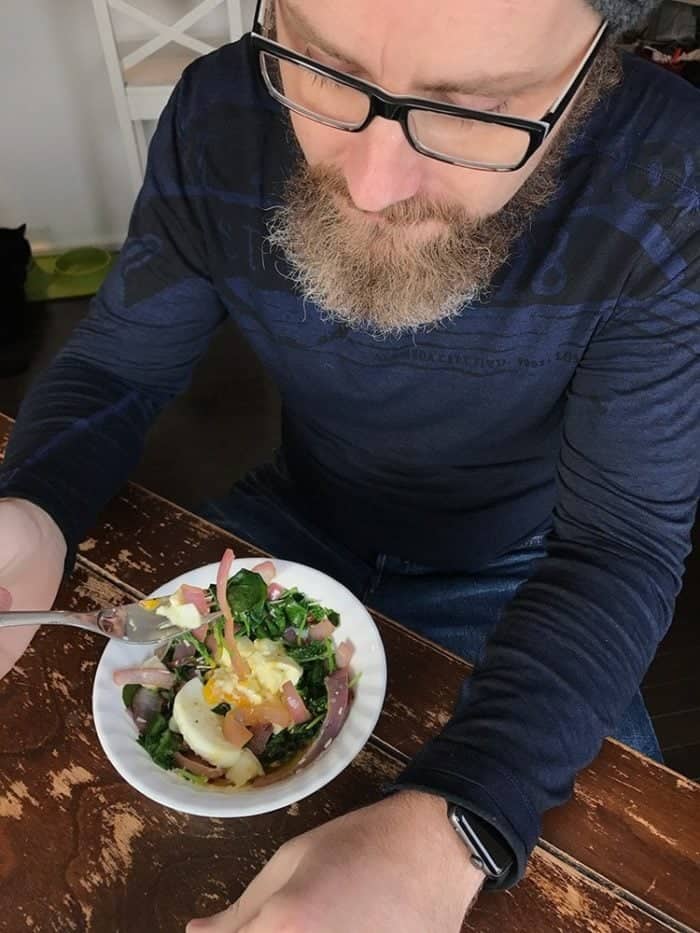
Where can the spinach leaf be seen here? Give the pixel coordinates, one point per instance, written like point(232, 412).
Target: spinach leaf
point(312, 687)
point(257, 623)
point(333, 616)
point(296, 614)
point(160, 743)
point(128, 694)
point(312, 651)
point(288, 742)
point(200, 648)
point(277, 617)
point(317, 611)
point(245, 591)
point(318, 705)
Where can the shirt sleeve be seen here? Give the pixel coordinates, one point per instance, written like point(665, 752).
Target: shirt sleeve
point(565, 663)
point(81, 429)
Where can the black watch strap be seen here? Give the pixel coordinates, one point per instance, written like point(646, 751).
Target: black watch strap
point(488, 850)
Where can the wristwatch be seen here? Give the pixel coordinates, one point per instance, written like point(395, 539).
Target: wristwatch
point(487, 848)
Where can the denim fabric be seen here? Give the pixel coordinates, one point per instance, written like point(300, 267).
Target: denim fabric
point(454, 609)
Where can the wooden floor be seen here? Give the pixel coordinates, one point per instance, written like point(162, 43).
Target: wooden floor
point(232, 400)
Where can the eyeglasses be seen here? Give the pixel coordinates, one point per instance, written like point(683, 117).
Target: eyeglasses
point(476, 139)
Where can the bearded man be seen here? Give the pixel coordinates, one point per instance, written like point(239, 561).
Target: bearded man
point(463, 238)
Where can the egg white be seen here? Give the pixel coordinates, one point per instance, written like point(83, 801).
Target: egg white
point(202, 729)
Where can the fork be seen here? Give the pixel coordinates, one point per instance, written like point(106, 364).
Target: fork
point(131, 623)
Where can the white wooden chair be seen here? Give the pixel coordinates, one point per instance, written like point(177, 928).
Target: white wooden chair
point(143, 73)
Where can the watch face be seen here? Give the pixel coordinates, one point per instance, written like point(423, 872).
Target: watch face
point(488, 850)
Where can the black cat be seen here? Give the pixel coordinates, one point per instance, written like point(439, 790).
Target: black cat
point(15, 256)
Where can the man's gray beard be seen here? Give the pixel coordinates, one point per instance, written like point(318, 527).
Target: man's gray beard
point(372, 277)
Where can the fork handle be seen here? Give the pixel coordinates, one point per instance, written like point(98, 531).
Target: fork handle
point(86, 620)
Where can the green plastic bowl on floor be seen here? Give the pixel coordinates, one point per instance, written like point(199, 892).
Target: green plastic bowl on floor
point(46, 283)
point(87, 261)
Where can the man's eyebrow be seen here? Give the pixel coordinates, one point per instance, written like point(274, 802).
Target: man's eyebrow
point(476, 85)
point(511, 82)
point(308, 31)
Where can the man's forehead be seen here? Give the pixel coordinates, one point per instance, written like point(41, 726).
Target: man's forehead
point(455, 46)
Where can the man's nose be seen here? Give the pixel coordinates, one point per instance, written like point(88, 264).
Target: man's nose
point(380, 166)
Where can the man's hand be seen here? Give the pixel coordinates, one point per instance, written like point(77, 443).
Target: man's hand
point(32, 555)
point(396, 865)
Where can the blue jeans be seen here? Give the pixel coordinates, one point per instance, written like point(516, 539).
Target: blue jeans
point(266, 509)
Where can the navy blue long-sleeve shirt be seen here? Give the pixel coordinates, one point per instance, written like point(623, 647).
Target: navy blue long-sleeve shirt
point(568, 397)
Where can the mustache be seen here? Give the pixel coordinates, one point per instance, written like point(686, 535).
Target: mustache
point(415, 210)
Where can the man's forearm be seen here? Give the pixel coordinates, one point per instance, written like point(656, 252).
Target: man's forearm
point(79, 433)
point(558, 676)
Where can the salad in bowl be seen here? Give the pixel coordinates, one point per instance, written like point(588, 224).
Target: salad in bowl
point(253, 695)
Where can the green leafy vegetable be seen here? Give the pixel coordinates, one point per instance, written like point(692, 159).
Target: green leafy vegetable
point(245, 591)
point(316, 611)
point(128, 694)
point(296, 614)
point(160, 743)
point(313, 651)
point(199, 646)
point(333, 616)
point(192, 778)
point(283, 746)
point(217, 629)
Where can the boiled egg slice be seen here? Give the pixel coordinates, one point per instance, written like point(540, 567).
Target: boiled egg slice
point(185, 615)
point(203, 730)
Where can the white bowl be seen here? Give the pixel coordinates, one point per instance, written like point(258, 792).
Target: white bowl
point(117, 732)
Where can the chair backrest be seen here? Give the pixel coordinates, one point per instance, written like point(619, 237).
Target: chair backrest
point(142, 73)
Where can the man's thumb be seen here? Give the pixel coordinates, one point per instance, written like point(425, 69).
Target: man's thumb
point(5, 599)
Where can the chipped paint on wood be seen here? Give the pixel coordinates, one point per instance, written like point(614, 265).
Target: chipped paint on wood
point(13, 800)
point(557, 899)
point(63, 781)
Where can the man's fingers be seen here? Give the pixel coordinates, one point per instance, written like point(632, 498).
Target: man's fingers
point(230, 920)
point(273, 877)
point(223, 922)
point(13, 644)
point(5, 599)
point(274, 915)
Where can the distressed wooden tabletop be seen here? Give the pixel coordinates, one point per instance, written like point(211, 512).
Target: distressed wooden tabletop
point(80, 850)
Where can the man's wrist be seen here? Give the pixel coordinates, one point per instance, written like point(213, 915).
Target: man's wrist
point(429, 812)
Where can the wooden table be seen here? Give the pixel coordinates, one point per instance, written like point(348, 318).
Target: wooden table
point(80, 850)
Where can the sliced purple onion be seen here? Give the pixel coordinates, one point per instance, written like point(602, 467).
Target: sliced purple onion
point(320, 630)
point(197, 765)
point(290, 636)
point(338, 709)
point(275, 590)
point(182, 652)
point(267, 571)
point(344, 652)
point(145, 677)
point(145, 706)
point(261, 736)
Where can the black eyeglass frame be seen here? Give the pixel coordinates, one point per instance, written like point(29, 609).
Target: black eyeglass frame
point(392, 107)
